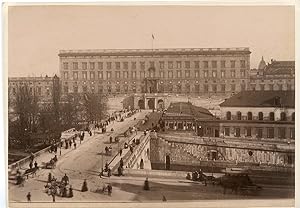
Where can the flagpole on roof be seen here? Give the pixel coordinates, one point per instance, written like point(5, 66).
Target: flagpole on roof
point(152, 42)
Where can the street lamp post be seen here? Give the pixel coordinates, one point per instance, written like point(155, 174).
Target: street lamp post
point(212, 166)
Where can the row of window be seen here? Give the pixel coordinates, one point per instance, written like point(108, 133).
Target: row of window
point(271, 117)
point(270, 87)
point(160, 64)
point(271, 80)
point(162, 74)
point(163, 88)
point(38, 91)
point(269, 132)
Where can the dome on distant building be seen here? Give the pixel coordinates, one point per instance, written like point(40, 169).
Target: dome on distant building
point(262, 63)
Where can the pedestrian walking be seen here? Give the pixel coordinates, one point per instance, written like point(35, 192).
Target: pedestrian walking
point(121, 152)
point(31, 156)
point(142, 164)
point(65, 179)
point(28, 197)
point(53, 197)
point(109, 189)
point(35, 165)
point(70, 192)
point(74, 145)
point(131, 149)
point(70, 143)
point(109, 172)
point(121, 162)
point(49, 177)
point(30, 165)
point(146, 185)
point(64, 194)
point(84, 186)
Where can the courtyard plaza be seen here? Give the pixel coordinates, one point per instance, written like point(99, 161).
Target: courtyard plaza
point(130, 189)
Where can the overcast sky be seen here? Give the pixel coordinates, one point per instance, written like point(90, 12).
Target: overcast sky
point(36, 34)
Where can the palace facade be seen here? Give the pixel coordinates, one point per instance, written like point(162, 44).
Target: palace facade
point(180, 71)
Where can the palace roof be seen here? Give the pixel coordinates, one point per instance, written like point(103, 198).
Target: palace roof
point(261, 99)
point(187, 109)
point(280, 67)
point(150, 52)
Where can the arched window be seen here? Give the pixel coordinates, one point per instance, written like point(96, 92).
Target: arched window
point(282, 116)
point(260, 116)
point(249, 116)
point(293, 116)
point(272, 116)
point(239, 115)
point(228, 115)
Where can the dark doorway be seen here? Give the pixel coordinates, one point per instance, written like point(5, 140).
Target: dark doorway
point(216, 133)
point(141, 104)
point(168, 162)
point(151, 103)
point(180, 126)
point(200, 131)
point(214, 155)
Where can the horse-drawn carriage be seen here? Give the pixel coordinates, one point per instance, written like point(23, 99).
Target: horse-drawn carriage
point(108, 151)
point(20, 177)
point(238, 180)
point(202, 177)
point(51, 164)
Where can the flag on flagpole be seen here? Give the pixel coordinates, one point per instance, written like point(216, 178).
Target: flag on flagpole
point(152, 36)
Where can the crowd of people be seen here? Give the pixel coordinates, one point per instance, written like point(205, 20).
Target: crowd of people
point(60, 188)
point(63, 188)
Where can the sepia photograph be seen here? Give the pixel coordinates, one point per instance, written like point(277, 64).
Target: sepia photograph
point(150, 105)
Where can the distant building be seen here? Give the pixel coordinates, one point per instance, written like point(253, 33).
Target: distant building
point(42, 87)
point(261, 115)
point(180, 71)
point(278, 75)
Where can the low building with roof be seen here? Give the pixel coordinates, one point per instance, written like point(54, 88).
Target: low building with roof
point(263, 115)
point(184, 116)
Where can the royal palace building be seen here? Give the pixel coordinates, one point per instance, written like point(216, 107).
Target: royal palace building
point(180, 71)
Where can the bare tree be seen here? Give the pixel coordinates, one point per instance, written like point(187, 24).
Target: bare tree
point(70, 111)
point(26, 108)
point(95, 107)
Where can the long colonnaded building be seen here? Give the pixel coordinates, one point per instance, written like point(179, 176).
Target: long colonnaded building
point(180, 71)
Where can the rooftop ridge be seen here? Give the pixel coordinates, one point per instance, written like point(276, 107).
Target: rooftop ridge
point(155, 50)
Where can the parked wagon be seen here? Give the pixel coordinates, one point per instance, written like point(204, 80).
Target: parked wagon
point(49, 165)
